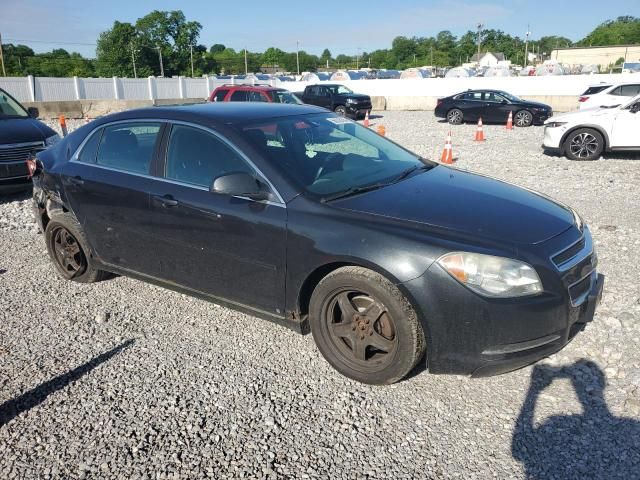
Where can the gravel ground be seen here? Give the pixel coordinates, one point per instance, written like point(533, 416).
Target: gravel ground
point(122, 379)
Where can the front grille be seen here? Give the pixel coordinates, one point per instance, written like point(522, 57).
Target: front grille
point(13, 170)
point(566, 255)
point(19, 152)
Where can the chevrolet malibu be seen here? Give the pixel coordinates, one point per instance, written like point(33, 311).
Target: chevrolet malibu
point(296, 215)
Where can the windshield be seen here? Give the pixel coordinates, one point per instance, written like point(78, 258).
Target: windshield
point(340, 89)
point(325, 154)
point(511, 98)
point(9, 107)
point(284, 96)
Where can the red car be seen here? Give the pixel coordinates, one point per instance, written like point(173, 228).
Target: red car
point(252, 93)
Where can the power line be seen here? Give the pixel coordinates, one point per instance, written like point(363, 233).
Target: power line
point(50, 43)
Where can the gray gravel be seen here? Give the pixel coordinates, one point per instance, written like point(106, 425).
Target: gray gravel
point(122, 379)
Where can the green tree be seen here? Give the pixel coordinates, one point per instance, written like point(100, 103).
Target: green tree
point(116, 50)
point(272, 56)
point(622, 30)
point(217, 48)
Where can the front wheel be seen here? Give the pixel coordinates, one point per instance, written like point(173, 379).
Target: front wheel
point(584, 144)
point(364, 327)
point(341, 110)
point(523, 118)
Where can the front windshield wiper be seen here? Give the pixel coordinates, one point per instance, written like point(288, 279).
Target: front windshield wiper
point(405, 173)
point(352, 191)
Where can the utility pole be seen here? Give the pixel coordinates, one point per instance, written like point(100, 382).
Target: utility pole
point(480, 26)
point(246, 64)
point(432, 55)
point(298, 55)
point(358, 59)
point(133, 60)
point(4, 73)
point(526, 46)
point(160, 56)
point(191, 54)
point(414, 60)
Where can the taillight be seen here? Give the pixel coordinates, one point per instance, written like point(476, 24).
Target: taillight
point(583, 99)
point(438, 102)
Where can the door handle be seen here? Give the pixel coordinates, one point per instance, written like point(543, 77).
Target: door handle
point(165, 201)
point(76, 180)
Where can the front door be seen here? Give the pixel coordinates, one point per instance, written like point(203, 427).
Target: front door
point(228, 247)
point(496, 108)
point(107, 186)
point(626, 129)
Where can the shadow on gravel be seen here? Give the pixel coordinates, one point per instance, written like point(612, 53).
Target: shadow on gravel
point(12, 408)
point(594, 444)
point(15, 197)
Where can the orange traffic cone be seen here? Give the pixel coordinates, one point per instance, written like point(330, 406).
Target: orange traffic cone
point(479, 131)
point(510, 121)
point(366, 119)
point(381, 130)
point(63, 125)
point(447, 153)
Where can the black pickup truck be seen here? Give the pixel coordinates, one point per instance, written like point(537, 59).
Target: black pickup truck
point(337, 98)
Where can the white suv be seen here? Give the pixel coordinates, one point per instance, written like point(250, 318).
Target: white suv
point(606, 94)
point(585, 134)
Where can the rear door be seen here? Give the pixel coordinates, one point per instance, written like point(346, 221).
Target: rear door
point(229, 247)
point(107, 186)
point(472, 105)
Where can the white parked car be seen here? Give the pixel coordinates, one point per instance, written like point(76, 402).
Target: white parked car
point(585, 134)
point(607, 94)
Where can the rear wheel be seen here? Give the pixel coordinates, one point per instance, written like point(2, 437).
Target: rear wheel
point(454, 116)
point(69, 250)
point(584, 144)
point(364, 327)
point(523, 118)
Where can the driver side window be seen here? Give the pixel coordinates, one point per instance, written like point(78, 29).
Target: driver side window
point(198, 157)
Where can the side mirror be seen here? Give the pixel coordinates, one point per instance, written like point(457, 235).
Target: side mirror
point(635, 108)
point(240, 184)
point(33, 112)
point(504, 102)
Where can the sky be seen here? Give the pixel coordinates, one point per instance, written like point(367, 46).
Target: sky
point(342, 26)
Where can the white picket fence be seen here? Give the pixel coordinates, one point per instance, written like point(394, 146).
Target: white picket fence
point(47, 89)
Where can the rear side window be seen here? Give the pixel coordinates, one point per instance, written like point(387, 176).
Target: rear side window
point(472, 96)
point(198, 157)
point(594, 90)
point(128, 146)
point(88, 152)
point(238, 96)
point(256, 97)
point(219, 96)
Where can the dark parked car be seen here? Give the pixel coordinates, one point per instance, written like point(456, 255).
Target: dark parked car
point(337, 98)
point(21, 136)
point(491, 106)
point(296, 215)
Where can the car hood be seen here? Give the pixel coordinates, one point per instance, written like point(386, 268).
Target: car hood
point(583, 116)
point(536, 105)
point(468, 204)
point(23, 130)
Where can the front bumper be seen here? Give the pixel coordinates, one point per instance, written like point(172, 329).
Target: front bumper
point(553, 138)
point(358, 109)
point(540, 117)
point(473, 335)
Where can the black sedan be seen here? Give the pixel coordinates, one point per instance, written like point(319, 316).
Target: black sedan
point(493, 106)
point(299, 216)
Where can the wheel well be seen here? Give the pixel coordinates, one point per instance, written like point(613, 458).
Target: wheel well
point(312, 281)
point(605, 137)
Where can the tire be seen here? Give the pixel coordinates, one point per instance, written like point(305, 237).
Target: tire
point(64, 234)
point(341, 110)
point(523, 118)
point(381, 339)
point(584, 144)
point(455, 116)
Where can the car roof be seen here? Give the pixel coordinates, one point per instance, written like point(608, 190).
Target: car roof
point(249, 87)
point(218, 112)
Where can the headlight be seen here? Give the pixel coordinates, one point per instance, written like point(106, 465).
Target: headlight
point(577, 219)
point(554, 124)
point(351, 100)
point(52, 140)
point(492, 276)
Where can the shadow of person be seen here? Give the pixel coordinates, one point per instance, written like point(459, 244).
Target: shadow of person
point(591, 445)
point(28, 400)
